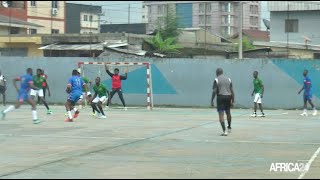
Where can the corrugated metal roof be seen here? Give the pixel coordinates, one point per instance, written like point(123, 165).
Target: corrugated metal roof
point(76, 47)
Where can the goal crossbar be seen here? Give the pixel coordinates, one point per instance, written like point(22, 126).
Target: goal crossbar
point(148, 72)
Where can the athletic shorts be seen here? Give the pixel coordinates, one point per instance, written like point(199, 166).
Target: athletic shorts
point(83, 94)
point(23, 96)
point(36, 92)
point(223, 103)
point(257, 98)
point(307, 97)
point(74, 97)
point(102, 99)
point(2, 89)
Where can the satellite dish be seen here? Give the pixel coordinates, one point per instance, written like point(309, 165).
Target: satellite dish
point(266, 23)
point(306, 38)
point(5, 4)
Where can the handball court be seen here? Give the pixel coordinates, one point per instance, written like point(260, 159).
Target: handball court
point(162, 143)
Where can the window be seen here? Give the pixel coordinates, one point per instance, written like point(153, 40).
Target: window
point(32, 31)
point(201, 19)
point(208, 19)
point(85, 17)
point(143, 6)
point(33, 3)
point(54, 31)
point(161, 9)
point(14, 30)
point(291, 25)
point(54, 4)
point(201, 8)
point(224, 7)
point(143, 16)
point(224, 19)
point(208, 7)
point(90, 18)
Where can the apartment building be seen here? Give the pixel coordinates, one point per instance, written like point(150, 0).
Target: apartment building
point(219, 17)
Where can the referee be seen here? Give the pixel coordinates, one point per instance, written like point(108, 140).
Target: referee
point(222, 87)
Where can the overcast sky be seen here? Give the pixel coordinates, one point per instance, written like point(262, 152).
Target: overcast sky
point(116, 12)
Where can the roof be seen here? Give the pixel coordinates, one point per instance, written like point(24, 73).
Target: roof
point(285, 45)
point(7, 21)
point(254, 35)
point(75, 47)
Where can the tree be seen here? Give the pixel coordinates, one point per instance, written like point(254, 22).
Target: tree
point(246, 44)
point(162, 45)
point(168, 25)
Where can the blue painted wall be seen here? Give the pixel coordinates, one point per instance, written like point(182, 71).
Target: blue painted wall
point(184, 13)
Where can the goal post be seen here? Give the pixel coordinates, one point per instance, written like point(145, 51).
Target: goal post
point(148, 75)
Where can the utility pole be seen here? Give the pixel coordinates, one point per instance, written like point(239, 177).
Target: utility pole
point(287, 31)
point(205, 30)
point(51, 28)
point(240, 29)
point(128, 27)
point(90, 19)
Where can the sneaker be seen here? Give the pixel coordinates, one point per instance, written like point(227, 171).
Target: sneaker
point(224, 134)
point(107, 107)
point(49, 112)
point(315, 112)
point(229, 129)
point(68, 120)
point(36, 121)
point(304, 114)
point(3, 115)
point(94, 114)
point(125, 108)
point(76, 114)
point(103, 117)
point(66, 114)
point(254, 114)
point(262, 115)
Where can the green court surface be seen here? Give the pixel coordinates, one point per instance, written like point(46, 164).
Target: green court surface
point(162, 143)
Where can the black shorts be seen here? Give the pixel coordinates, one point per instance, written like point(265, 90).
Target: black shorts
point(223, 103)
point(2, 89)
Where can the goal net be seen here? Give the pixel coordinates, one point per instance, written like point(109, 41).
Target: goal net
point(94, 69)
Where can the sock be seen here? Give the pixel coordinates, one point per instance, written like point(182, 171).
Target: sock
point(69, 115)
point(10, 108)
point(229, 124)
point(101, 110)
point(305, 110)
point(34, 115)
point(223, 126)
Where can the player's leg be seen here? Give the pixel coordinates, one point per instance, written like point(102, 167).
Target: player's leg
point(101, 101)
point(13, 107)
point(256, 98)
point(305, 99)
point(41, 96)
point(228, 112)
point(94, 105)
point(44, 92)
point(221, 108)
point(111, 96)
point(34, 111)
point(4, 98)
point(80, 101)
point(71, 102)
point(89, 96)
point(312, 106)
point(121, 98)
point(68, 109)
point(260, 106)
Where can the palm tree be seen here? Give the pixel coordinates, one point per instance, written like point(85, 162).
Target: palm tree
point(164, 46)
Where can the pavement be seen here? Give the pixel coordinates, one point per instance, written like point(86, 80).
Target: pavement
point(162, 143)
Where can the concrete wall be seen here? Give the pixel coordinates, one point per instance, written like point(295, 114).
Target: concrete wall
point(308, 25)
point(181, 82)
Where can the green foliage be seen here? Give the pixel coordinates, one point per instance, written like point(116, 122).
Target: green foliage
point(164, 46)
point(246, 44)
point(168, 26)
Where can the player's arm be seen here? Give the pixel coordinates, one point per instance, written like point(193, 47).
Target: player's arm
point(32, 86)
point(107, 70)
point(232, 94)
point(15, 82)
point(125, 76)
point(45, 80)
point(214, 92)
point(262, 89)
point(5, 83)
point(300, 90)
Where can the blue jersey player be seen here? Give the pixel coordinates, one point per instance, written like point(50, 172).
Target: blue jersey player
point(74, 88)
point(307, 95)
point(26, 83)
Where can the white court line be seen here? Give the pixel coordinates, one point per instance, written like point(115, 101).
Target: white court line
point(72, 137)
point(309, 163)
point(261, 142)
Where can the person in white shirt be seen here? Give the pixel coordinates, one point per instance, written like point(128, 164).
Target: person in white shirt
point(3, 88)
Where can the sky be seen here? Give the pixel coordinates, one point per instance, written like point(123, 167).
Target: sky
point(116, 12)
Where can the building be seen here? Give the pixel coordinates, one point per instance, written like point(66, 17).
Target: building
point(49, 16)
point(136, 28)
point(82, 18)
point(219, 17)
point(295, 22)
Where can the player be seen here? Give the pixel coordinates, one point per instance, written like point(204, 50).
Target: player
point(3, 88)
point(258, 94)
point(26, 83)
point(38, 81)
point(88, 91)
point(116, 85)
point(307, 95)
point(99, 97)
point(222, 86)
point(74, 88)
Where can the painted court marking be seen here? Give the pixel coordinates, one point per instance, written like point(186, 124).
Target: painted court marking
point(71, 137)
point(309, 163)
